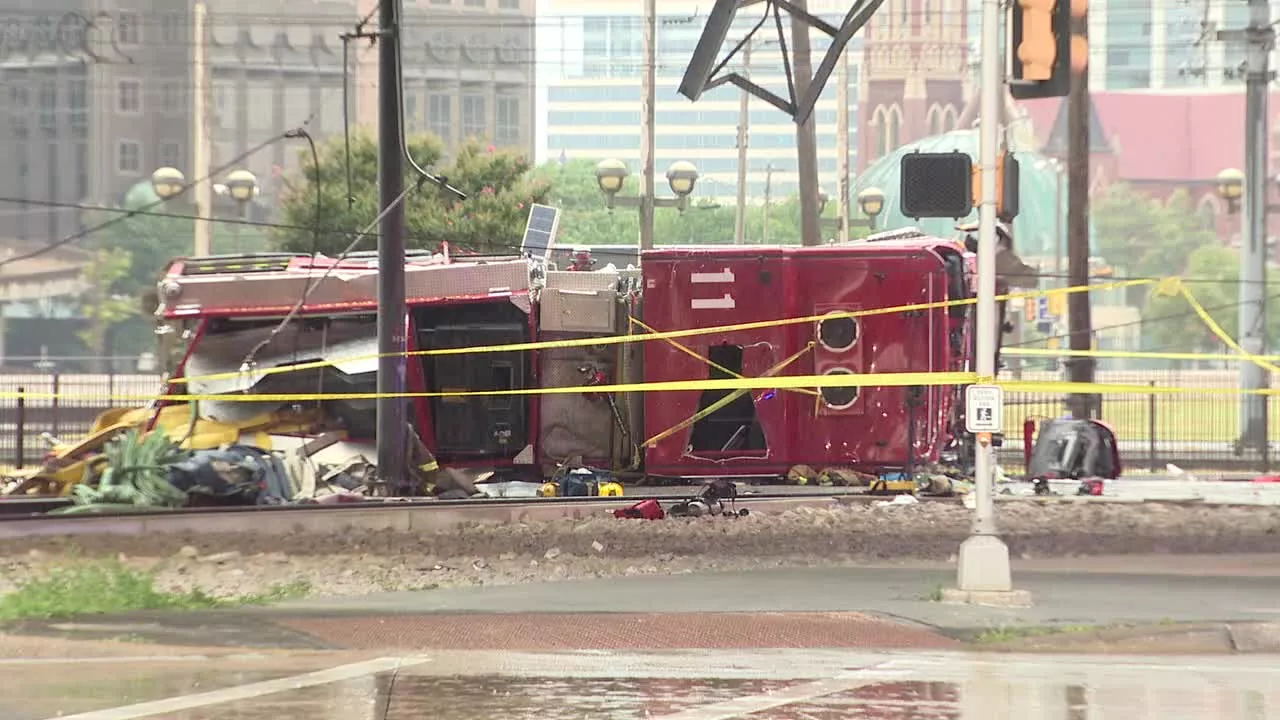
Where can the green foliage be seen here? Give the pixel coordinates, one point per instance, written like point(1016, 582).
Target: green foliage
point(1144, 236)
point(137, 473)
point(1213, 274)
point(93, 588)
point(131, 255)
point(104, 305)
point(492, 217)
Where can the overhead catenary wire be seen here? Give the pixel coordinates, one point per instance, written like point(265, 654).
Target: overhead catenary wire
point(605, 251)
point(247, 364)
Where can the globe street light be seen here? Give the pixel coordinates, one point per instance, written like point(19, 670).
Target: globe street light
point(681, 177)
point(870, 201)
point(242, 186)
point(1230, 187)
point(168, 182)
point(611, 175)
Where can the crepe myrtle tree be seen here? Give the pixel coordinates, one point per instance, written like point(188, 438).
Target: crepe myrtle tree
point(497, 182)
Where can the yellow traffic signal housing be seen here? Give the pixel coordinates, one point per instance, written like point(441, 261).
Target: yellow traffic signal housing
point(1040, 45)
point(1006, 186)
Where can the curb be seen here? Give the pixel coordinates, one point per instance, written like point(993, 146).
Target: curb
point(1243, 638)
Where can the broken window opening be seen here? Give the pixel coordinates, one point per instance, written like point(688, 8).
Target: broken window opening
point(734, 427)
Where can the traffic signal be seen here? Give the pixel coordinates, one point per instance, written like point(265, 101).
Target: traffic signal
point(936, 185)
point(1041, 46)
point(1006, 186)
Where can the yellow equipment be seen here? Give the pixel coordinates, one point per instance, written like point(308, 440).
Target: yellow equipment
point(66, 464)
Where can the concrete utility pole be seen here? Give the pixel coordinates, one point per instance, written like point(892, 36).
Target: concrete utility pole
point(744, 123)
point(1079, 315)
point(806, 140)
point(1260, 38)
point(203, 244)
point(984, 557)
point(842, 143)
point(648, 94)
point(392, 433)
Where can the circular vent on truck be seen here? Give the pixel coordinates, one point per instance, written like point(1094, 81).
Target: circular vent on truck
point(839, 398)
point(838, 333)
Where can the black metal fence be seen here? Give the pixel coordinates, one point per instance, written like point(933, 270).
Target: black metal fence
point(1195, 430)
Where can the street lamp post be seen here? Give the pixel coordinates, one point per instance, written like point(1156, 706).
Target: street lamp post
point(612, 174)
point(1230, 185)
point(241, 186)
point(870, 201)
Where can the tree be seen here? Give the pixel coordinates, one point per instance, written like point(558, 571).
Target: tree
point(1144, 236)
point(138, 250)
point(492, 218)
point(1212, 275)
point(104, 305)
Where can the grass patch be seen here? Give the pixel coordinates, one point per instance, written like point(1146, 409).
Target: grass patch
point(110, 587)
point(998, 635)
point(934, 595)
point(1177, 418)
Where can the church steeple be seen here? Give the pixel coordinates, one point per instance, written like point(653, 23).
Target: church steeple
point(915, 74)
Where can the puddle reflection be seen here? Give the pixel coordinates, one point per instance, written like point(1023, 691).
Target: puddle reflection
point(54, 691)
point(411, 697)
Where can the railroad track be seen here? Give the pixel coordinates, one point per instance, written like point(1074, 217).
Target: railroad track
point(34, 508)
point(402, 516)
point(24, 518)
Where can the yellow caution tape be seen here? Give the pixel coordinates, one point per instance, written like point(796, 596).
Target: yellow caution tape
point(722, 402)
point(1221, 334)
point(670, 334)
point(1131, 354)
point(780, 382)
point(693, 353)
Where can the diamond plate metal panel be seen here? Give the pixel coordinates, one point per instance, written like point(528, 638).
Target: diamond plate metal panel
point(279, 291)
point(566, 280)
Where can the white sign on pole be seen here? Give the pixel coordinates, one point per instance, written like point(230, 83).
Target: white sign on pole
point(984, 409)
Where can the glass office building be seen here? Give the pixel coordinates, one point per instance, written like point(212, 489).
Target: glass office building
point(589, 78)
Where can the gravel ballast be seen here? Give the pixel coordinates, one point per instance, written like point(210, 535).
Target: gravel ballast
point(344, 563)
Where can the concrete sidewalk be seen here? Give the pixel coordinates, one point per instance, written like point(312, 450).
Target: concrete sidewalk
point(1232, 598)
point(1139, 591)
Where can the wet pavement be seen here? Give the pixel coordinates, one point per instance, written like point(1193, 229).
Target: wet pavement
point(1079, 591)
point(866, 642)
point(685, 685)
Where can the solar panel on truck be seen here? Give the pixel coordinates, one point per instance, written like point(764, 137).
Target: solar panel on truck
point(540, 232)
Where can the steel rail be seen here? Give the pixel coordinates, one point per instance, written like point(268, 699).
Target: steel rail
point(32, 509)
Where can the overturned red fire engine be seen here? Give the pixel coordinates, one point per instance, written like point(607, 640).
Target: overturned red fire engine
point(228, 310)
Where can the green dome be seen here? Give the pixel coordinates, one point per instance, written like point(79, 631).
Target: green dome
point(1034, 228)
point(140, 195)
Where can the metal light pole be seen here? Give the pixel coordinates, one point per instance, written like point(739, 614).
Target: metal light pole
point(647, 112)
point(1253, 241)
point(1254, 418)
point(200, 134)
point(984, 557)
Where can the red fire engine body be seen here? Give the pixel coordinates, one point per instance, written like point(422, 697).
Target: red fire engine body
point(230, 305)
